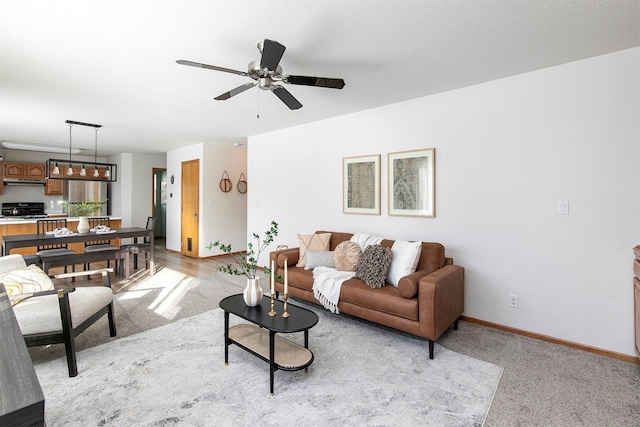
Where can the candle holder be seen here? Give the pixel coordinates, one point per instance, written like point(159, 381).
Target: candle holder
point(286, 306)
point(272, 312)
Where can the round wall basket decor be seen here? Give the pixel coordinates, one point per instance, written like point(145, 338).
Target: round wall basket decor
point(225, 183)
point(242, 184)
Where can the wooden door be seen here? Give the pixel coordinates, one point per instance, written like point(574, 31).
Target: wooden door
point(189, 202)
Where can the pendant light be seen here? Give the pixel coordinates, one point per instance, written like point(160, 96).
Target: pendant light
point(81, 170)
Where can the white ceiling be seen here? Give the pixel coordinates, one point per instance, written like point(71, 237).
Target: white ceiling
point(113, 62)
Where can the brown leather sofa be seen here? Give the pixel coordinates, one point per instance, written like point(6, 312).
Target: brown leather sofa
point(425, 303)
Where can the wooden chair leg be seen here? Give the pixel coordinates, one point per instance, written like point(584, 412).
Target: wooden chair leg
point(68, 338)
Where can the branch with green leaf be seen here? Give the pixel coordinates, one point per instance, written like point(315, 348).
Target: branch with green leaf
point(85, 208)
point(247, 262)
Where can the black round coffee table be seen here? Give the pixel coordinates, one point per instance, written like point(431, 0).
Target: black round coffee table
point(281, 354)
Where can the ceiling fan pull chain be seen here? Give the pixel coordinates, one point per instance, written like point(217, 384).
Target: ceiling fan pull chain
point(258, 104)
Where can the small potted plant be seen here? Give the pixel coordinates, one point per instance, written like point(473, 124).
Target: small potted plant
point(82, 210)
point(246, 263)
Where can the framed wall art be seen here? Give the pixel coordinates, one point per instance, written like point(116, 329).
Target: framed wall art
point(361, 185)
point(412, 183)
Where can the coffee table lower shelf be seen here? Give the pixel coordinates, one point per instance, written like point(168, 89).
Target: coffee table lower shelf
point(288, 356)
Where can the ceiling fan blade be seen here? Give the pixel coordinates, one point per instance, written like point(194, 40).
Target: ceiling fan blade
point(314, 81)
point(234, 92)
point(211, 67)
point(272, 52)
point(286, 97)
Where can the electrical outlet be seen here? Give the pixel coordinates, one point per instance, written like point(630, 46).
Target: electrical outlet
point(563, 207)
point(513, 300)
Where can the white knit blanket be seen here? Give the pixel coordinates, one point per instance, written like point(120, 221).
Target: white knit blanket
point(327, 283)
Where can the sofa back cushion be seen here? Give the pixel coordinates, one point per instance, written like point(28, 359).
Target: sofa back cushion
point(431, 256)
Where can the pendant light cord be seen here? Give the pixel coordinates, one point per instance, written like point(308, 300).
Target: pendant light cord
point(70, 126)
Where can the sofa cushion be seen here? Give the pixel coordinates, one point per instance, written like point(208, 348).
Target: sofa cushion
point(346, 256)
point(373, 265)
point(315, 242)
point(386, 299)
point(431, 257)
point(336, 238)
point(405, 260)
point(21, 283)
point(300, 278)
point(318, 259)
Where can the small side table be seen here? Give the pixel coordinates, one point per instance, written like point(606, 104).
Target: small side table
point(260, 337)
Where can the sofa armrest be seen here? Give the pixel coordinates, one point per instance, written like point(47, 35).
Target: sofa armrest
point(441, 300)
point(292, 255)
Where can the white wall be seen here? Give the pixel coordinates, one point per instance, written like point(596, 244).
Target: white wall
point(223, 216)
point(132, 194)
point(506, 152)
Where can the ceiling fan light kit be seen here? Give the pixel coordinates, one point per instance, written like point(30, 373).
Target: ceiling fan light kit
point(267, 73)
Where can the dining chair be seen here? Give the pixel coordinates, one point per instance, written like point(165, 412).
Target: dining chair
point(49, 225)
point(140, 248)
point(99, 245)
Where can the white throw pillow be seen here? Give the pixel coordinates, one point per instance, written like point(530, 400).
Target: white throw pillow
point(405, 260)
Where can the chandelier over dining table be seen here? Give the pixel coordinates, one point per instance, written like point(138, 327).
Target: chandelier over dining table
point(77, 170)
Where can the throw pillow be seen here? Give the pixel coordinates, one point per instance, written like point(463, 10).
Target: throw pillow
point(19, 284)
point(374, 265)
point(346, 256)
point(405, 260)
point(315, 242)
point(318, 259)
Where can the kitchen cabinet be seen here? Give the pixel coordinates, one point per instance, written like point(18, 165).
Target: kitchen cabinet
point(19, 170)
point(54, 187)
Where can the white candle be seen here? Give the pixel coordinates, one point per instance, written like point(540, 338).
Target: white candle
point(286, 283)
point(273, 284)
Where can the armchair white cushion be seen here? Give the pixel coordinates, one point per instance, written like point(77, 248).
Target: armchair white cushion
point(42, 314)
point(46, 316)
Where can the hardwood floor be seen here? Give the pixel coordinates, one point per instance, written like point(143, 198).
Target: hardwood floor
point(164, 259)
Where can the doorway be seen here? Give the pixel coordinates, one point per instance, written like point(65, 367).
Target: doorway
point(189, 208)
point(159, 202)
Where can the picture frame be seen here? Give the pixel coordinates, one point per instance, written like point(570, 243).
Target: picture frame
point(361, 185)
point(412, 190)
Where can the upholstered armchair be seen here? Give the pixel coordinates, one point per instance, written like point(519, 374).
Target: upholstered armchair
point(48, 316)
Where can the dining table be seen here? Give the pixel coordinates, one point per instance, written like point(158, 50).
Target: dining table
point(11, 242)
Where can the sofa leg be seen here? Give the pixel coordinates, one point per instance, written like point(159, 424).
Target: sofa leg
point(431, 345)
point(455, 325)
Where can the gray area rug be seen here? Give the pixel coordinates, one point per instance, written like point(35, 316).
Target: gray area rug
point(175, 375)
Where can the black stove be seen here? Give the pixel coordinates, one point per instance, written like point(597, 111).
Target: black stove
point(24, 210)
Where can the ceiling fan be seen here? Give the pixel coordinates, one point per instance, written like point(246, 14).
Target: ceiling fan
point(267, 73)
